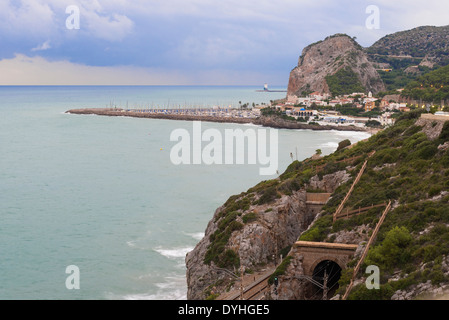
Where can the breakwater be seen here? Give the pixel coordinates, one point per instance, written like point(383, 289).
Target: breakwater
point(241, 117)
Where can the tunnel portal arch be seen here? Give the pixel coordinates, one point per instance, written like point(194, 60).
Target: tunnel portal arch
point(327, 273)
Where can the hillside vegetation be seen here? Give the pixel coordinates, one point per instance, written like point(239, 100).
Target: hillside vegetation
point(413, 172)
point(344, 81)
point(420, 42)
point(433, 86)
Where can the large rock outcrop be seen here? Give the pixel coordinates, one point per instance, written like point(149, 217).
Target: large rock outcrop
point(326, 58)
point(258, 243)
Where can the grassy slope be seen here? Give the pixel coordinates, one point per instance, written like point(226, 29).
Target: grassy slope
point(420, 172)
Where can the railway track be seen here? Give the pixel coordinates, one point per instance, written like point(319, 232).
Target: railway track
point(255, 290)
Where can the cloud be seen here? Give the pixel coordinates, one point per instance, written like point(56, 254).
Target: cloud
point(110, 27)
point(401, 15)
point(24, 70)
point(27, 19)
point(42, 47)
point(197, 38)
point(44, 18)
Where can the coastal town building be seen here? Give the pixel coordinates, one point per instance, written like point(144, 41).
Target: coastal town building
point(323, 109)
point(301, 112)
point(369, 106)
point(384, 104)
point(318, 96)
point(385, 119)
point(370, 98)
point(395, 106)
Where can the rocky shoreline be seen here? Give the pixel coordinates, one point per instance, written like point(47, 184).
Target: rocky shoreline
point(272, 122)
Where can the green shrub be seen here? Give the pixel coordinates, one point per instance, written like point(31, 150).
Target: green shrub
point(252, 216)
point(444, 135)
point(268, 195)
point(344, 81)
point(280, 269)
point(427, 152)
point(361, 292)
point(392, 252)
point(319, 230)
point(229, 259)
point(434, 190)
point(343, 144)
point(219, 239)
point(290, 185)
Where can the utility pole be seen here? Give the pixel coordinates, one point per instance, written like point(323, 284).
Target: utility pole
point(241, 282)
point(325, 289)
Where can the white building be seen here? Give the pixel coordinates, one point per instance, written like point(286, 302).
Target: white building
point(395, 106)
point(385, 119)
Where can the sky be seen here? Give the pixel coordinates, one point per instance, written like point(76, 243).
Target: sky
point(185, 42)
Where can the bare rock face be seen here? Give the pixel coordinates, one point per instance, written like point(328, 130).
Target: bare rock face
point(291, 285)
point(431, 126)
point(357, 235)
point(200, 275)
point(329, 182)
point(257, 243)
point(328, 57)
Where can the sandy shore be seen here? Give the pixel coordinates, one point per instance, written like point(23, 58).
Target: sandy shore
point(272, 122)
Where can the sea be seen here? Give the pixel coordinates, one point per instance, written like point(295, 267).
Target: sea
point(93, 207)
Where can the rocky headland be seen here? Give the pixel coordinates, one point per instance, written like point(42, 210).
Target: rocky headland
point(326, 58)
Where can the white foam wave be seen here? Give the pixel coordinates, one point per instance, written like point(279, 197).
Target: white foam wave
point(196, 236)
point(175, 253)
point(173, 288)
point(356, 135)
point(131, 243)
point(252, 125)
point(329, 145)
point(171, 295)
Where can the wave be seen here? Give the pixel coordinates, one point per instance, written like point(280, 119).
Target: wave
point(252, 125)
point(136, 244)
point(131, 243)
point(360, 135)
point(172, 288)
point(178, 294)
point(329, 145)
point(170, 295)
point(196, 236)
point(175, 253)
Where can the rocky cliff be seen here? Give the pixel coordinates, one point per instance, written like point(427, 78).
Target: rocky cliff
point(324, 59)
point(252, 230)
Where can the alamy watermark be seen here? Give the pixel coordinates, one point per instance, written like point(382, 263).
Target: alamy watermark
point(373, 20)
point(228, 149)
point(73, 20)
point(72, 282)
point(373, 281)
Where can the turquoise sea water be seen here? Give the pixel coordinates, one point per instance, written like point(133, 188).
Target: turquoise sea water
point(102, 194)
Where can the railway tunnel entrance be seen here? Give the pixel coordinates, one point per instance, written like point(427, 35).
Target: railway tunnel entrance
point(322, 263)
point(327, 273)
